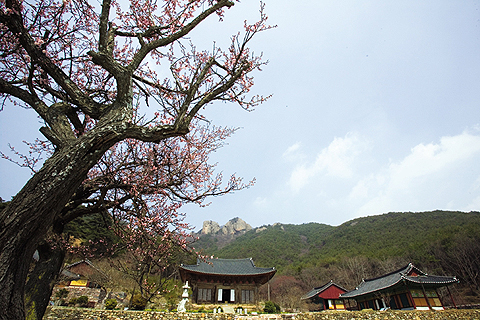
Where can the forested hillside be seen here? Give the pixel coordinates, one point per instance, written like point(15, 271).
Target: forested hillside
point(307, 255)
point(277, 245)
point(311, 254)
point(410, 235)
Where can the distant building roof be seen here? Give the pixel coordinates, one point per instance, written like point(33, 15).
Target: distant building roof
point(406, 274)
point(69, 275)
point(233, 267)
point(85, 262)
point(316, 291)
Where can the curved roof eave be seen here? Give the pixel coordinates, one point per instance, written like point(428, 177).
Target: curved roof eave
point(433, 280)
point(345, 295)
point(227, 267)
point(447, 280)
point(230, 274)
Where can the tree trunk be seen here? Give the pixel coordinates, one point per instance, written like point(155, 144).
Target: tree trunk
point(29, 216)
point(41, 281)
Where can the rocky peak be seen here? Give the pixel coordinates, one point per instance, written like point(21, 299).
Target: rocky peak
point(210, 227)
point(233, 227)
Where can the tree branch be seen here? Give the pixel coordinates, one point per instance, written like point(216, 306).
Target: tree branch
point(14, 22)
point(59, 132)
point(147, 48)
point(103, 26)
point(156, 134)
point(217, 92)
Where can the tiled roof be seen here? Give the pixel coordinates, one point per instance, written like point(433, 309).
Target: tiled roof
point(70, 275)
point(432, 279)
point(88, 262)
point(80, 262)
point(317, 290)
point(389, 280)
point(227, 267)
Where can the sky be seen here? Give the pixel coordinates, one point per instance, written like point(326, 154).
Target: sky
point(374, 109)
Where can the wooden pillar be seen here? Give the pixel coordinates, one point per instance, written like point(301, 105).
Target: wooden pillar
point(410, 298)
point(451, 297)
point(238, 293)
point(409, 295)
point(194, 293)
point(268, 290)
point(426, 298)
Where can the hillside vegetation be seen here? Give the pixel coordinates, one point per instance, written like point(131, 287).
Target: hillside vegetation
point(410, 235)
point(439, 242)
point(311, 254)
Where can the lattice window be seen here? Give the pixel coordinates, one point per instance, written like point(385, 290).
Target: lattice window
point(248, 296)
point(204, 294)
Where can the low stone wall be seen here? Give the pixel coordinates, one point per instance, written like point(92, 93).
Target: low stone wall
point(59, 313)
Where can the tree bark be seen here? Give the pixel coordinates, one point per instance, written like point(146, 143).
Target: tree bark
point(29, 216)
point(42, 280)
point(31, 213)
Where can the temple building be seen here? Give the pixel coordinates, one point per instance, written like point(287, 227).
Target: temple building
point(83, 274)
point(217, 281)
point(407, 288)
point(326, 297)
point(81, 278)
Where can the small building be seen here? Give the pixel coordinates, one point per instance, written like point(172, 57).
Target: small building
point(83, 273)
point(217, 281)
point(81, 278)
point(408, 288)
point(326, 297)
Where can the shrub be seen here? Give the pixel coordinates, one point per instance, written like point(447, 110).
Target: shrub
point(110, 304)
point(271, 307)
point(72, 302)
point(138, 302)
point(62, 293)
point(82, 301)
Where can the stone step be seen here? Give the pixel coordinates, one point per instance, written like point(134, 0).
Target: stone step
point(228, 308)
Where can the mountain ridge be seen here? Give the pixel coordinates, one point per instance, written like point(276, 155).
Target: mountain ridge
point(407, 235)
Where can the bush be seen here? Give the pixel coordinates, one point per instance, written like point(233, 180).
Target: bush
point(82, 301)
point(72, 302)
point(271, 307)
point(62, 293)
point(110, 304)
point(138, 302)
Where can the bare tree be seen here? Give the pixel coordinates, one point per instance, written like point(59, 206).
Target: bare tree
point(461, 258)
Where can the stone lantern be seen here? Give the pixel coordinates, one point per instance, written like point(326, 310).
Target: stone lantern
point(181, 304)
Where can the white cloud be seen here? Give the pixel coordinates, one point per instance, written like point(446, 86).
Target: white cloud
point(293, 153)
point(292, 149)
point(474, 205)
point(425, 160)
point(336, 160)
point(429, 176)
point(360, 190)
point(344, 180)
point(260, 202)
